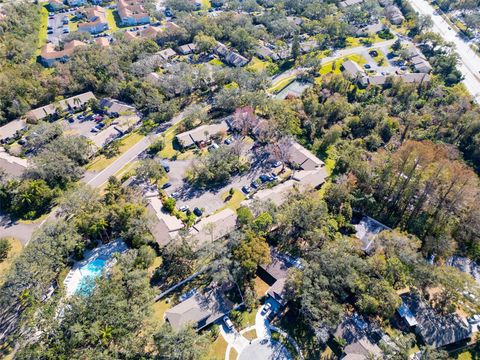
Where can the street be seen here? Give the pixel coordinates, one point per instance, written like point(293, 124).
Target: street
point(469, 63)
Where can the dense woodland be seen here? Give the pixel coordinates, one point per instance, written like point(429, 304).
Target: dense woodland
point(407, 155)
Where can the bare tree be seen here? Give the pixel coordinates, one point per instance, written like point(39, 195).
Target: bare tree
point(244, 120)
point(280, 150)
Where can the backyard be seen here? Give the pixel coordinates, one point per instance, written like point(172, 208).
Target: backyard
point(14, 251)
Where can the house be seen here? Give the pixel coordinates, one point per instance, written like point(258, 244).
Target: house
point(201, 309)
point(263, 53)
point(362, 338)
point(347, 3)
point(12, 165)
point(96, 20)
point(151, 32)
point(436, 330)
point(275, 275)
point(352, 70)
point(235, 59)
point(370, 29)
point(126, 116)
point(308, 46)
point(394, 14)
point(165, 227)
point(74, 103)
point(201, 134)
point(49, 55)
point(11, 129)
point(76, 2)
point(55, 5)
point(303, 159)
point(214, 227)
point(132, 12)
point(367, 230)
point(187, 49)
point(221, 49)
point(167, 54)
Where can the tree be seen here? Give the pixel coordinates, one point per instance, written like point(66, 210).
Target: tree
point(30, 199)
point(5, 247)
point(150, 169)
point(184, 344)
point(252, 251)
point(295, 47)
point(204, 42)
point(145, 257)
point(244, 216)
point(178, 262)
point(281, 150)
point(244, 120)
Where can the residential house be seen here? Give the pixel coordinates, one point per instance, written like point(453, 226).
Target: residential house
point(55, 5)
point(167, 54)
point(394, 14)
point(201, 309)
point(367, 230)
point(132, 12)
point(187, 49)
point(12, 165)
point(303, 159)
point(235, 59)
point(362, 338)
point(126, 116)
point(436, 330)
point(275, 275)
point(200, 134)
point(165, 227)
point(74, 103)
point(76, 2)
point(214, 227)
point(151, 32)
point(263, 52)
point(418, 60)
point(352, 70)
point(96, 20)
point(347, 3)
point(308, 46)
point(49, 55)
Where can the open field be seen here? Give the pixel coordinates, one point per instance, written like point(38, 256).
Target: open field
point(14, 251)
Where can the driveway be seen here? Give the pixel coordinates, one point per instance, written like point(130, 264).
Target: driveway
point(57, 27)
point(265, 349)
point(469, 63)
point(18, 230)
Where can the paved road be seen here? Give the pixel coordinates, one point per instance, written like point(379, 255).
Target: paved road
point(469, 61)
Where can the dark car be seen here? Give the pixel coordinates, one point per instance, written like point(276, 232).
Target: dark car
point(50, 32)
point(263, 178)
point(254, 184)
point(197, 212)
point(246, 189)
point(71, 120)
point(166, 185)
point(166, 167)
point(367, 66)
point(373, 53)
point(22, 142)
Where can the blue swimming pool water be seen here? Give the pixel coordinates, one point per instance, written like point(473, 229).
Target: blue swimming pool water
point(89, 273)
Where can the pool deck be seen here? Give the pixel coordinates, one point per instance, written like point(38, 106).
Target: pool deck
point(104, 252)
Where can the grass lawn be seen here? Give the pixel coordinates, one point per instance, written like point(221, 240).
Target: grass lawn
point(216, 62)
point(257, 65)
point(334, 66)
point(14, 251)
point(217, 349)
point(261, 287)
point(112, 23)
point(380, 58)
point(101, 162)
point(159, 309)
point(42, 31)
point(168, 151)
point(232, 202)
point(206, 4)
point(247, 318)
point(250, 335)
point(73, 25)
point(280, 85)
point(233, 354)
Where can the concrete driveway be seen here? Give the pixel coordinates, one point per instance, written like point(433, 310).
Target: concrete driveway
point(265, 349)
point(57, 27)
point(17, 230)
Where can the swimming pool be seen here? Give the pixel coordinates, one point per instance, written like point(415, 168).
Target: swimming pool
point(81, 279)
point(89, 273)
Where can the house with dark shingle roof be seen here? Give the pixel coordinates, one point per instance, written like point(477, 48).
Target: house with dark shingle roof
point(436, 330)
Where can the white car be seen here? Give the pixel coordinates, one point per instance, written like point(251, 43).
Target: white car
point(184, 208)
point(228, 323)
point(267, 308)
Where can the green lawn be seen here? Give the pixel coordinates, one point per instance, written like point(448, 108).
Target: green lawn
point(257, 65)
point(216, 62)
point(250, 335)
point(283, 83)
point(112, 23)
point(334, 66)
point(168, 151)
point(101, 162)
point(159, 309)
point(14, 251)
point(42, 31)
point(380, 58)
point(232, 202)
point(206, 4)
point(217, 349)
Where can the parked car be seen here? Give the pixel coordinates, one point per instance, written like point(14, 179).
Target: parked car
point(228, 323)
point(50, 32)
point(373, 53)
point(81, 117)
point(263, 178)
point(277, 164)
point(267, 308)
point(254, 184)
point(197, 212)
point(71, 120)
point(272, 177)
point(246, 189)
point(22, 142)
point(166, 167)
point(166, 185)
point(66, 31)
point(175, 195)
point(184, 208)
point(367, 66)
point(95, 130)
point(228, 141)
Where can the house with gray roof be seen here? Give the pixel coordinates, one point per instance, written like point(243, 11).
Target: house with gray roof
point(214, 227)
point(201, 133)
point(164, 227)
point(436, 330)
point(201, 309)
point(367, 230)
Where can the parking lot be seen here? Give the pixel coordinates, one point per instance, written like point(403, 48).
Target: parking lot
point(56, 26)
point(211, 199)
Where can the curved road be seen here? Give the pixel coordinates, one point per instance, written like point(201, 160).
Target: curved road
point(469, 63)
